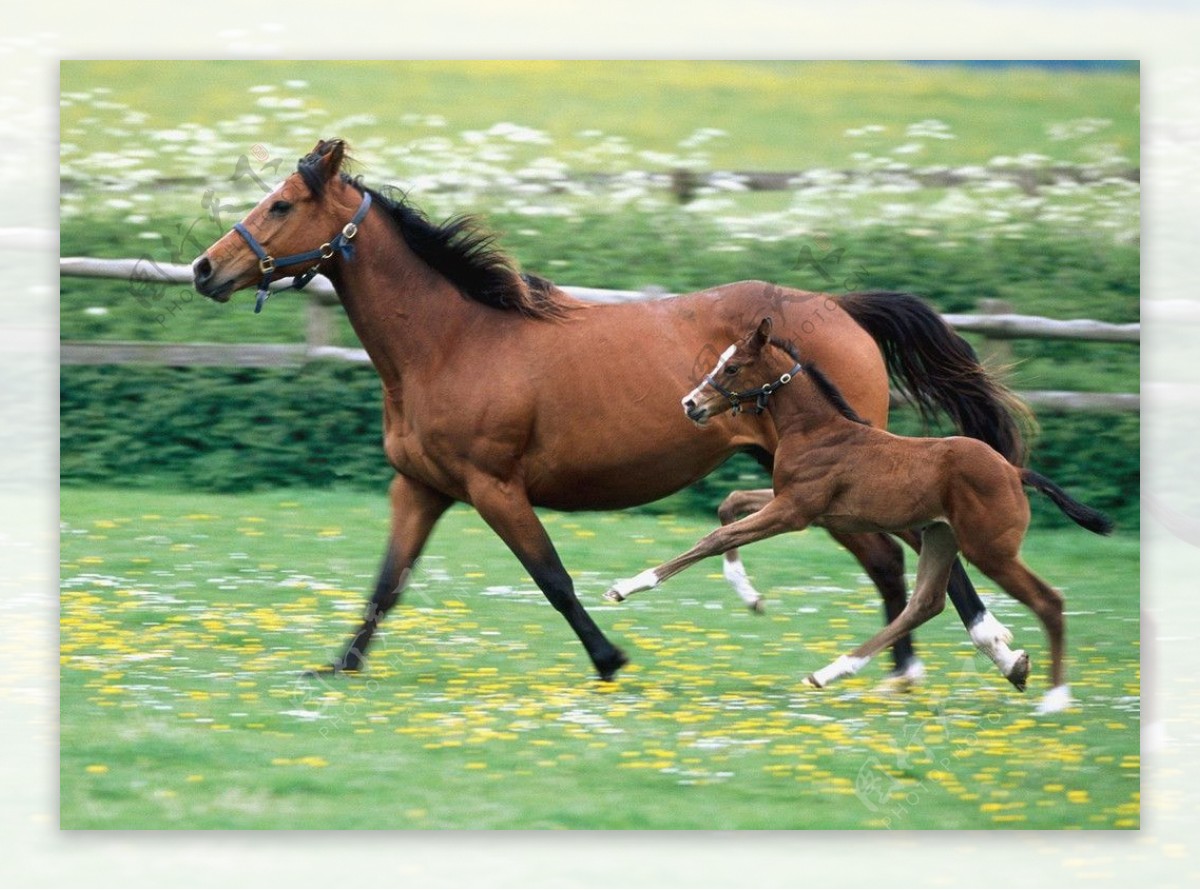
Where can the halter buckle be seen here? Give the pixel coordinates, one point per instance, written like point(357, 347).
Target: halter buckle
point(349, 230)
point(266, 265)
point(327, 250)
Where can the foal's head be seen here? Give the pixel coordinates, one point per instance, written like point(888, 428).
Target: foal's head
point(304, 215)
point(750, 371)
point(745, 366)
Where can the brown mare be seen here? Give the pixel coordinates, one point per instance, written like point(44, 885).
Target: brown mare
point(498, 388)
point(835, 470)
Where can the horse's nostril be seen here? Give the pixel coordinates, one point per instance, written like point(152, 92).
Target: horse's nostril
point(689, 405)
point(202, 269)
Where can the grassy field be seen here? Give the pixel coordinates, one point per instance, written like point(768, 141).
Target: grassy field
point(187, 619)
point(779, 115)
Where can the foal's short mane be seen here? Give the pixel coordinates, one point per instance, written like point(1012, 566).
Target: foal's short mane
point(460, 249)
point(826, 387)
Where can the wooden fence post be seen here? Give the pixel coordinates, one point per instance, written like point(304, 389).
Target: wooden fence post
point(997, 353)
point(319, 322)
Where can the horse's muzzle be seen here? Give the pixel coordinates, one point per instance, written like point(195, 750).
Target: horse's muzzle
point(695, 413)
point(203, 279)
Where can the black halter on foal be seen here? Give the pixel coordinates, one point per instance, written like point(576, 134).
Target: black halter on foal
point(267, 264)
point(760, 394)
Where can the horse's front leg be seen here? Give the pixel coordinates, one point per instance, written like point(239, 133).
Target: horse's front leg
point(416, 508)
point(505, 506)
point(775, 518)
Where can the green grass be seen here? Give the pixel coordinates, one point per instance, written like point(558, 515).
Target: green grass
point(779, 115)
point(186, 619)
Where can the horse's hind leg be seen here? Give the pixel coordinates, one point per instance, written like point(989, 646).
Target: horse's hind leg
point(415, 510)
point(1047, 604)
point(734, 507)
point(989, 635)
point(775, 518)
point(938, 549)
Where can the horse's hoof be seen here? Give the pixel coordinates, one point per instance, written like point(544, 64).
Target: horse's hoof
point(758, 607)
point(608, 669)
point(328, 670)
point(1057, 699)
point(904, 679)
point(613, 597)
point(1019, 673)
point(811, 682)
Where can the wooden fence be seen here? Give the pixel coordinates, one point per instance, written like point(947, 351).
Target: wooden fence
point(993, 323)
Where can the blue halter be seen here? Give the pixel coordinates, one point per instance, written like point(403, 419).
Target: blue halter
point(267, 264)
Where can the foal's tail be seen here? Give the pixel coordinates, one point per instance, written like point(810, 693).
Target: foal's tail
point(1092, 520)
point(938, 369)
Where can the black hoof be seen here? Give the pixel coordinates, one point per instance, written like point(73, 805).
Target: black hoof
point(329, 670)
point(1020, 672)
point(609, 667)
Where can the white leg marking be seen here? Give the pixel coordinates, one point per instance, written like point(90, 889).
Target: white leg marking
point(735, 574)
point(646, 580)
point(992, 638)
point(1057, 699)
point(842, 666)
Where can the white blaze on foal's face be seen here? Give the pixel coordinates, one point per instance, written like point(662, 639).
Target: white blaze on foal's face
point(693, 399)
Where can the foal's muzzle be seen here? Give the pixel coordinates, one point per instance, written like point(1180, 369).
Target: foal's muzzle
point(695, 413)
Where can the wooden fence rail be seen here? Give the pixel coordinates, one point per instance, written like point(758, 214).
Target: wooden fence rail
point(993, 325)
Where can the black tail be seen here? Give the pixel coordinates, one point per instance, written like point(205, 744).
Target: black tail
point(1080, 514)
point(937, 369)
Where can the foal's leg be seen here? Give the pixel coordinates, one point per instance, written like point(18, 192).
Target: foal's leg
point(938, 549)
point(989, 635)
point(775, 518)
point(416, 508)
point(505, 507)
point(883, 561)
point(1045, 602)
point(734, 507)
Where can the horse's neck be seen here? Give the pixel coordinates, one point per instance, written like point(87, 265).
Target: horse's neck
point(403, 312)
point(799, 408)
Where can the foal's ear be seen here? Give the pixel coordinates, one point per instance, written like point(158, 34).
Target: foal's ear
point(762, 334)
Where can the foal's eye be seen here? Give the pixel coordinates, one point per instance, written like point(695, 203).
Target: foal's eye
point(279, 208)
point(731, 369)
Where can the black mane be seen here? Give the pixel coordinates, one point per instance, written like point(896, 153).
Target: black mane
point(826, 387)
point(459, 249)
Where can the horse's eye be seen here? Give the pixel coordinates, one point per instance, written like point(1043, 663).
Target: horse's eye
point(279, 208)
point(731, 369)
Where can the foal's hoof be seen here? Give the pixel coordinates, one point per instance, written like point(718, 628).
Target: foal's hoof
point(758, 607)
point(811, 682)
point(1020, 670)
point(609, 666)
point(613, 596)
point(903, 679)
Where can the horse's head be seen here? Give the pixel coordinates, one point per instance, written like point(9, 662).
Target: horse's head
point(739, 376)
point(292, 231)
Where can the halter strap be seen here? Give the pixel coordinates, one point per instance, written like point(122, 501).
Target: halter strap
point(759, 394)
point(267, 264)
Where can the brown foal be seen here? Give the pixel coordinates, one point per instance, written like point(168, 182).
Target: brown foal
point(834, 470)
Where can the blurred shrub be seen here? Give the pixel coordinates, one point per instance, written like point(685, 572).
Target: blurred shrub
point(233, 430)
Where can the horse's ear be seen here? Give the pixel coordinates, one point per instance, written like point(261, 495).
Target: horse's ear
point(329, 155)
point(762, 334)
